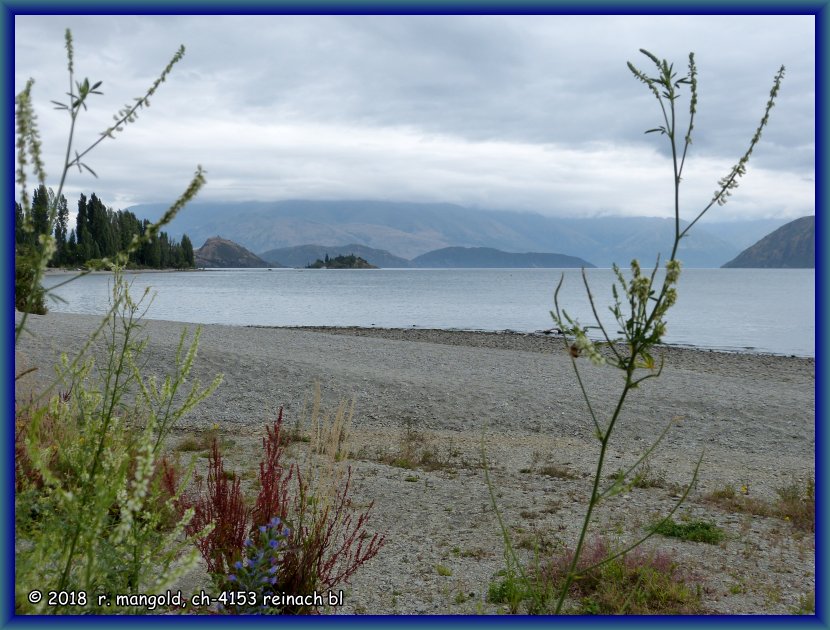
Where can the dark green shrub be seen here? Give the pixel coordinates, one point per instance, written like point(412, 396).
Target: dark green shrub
point(29, 295)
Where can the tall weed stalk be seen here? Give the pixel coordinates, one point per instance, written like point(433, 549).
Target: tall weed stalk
point(32, 265)
point(640, 303)
point(93, 496)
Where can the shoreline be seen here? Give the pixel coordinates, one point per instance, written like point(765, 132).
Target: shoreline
point(545, 338)
point(532, 341)
point(55, 271)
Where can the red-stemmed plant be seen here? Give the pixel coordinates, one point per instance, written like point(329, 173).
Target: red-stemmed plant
point(326, 542)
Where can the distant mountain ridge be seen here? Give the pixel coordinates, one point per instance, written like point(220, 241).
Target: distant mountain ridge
point(487, 257)
point(456, 257)
point(408, 230)
point(792, 246)
point(220, 252)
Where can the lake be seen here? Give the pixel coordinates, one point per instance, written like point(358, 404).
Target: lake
point(746, 310)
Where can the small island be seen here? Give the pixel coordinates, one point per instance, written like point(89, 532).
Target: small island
point(341, 262)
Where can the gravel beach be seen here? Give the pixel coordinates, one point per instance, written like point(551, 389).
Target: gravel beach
point(751, 416)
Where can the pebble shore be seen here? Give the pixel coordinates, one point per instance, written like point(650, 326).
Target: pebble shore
point(751, 416)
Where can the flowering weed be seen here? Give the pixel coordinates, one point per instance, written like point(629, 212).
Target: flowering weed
point(301, 527)
point(640, 304)
point(256, 572)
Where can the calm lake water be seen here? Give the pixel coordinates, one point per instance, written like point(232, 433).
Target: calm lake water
point(749, 310)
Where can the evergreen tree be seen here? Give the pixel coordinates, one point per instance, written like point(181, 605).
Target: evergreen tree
point(71, 249)
point(100, 227)
point(61, 226)
point(187, 252)
point(164, 250)
point(82, 231)
point(128, 227)
point(115, 231)
point(40, 211)
point(19, 233)
point(150, 252)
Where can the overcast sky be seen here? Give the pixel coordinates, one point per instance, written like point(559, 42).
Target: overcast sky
point(532, 113)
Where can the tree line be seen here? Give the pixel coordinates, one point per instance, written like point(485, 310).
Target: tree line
point(99, 232)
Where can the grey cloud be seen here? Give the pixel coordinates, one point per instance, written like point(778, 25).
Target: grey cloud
point(536, 81)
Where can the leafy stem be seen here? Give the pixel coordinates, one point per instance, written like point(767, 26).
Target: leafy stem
point(645, 325)
point(639, 308)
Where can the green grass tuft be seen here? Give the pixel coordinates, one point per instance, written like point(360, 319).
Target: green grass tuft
point(693, 531)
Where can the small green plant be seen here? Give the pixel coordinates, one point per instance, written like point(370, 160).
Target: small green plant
point(416, 451)
point(193, 444)
point(645, 477)
point(537, 540)
point(694, 531)
point(636, 583)
point(737, 588)
point(442, 570)
point(557, 472)
point(731, 500)
point(508, 588)
point(806, 604)
point(199, 440)
point(797, 504)
point(641, 301)
point(477, 553)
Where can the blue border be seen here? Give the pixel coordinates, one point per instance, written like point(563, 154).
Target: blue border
point(10, 8)
point(822, 382)
point(391, 7)
point(7, 286)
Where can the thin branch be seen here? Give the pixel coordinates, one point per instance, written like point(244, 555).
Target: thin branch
point(639, 461)
point(692, 110)
point(654, 529)
point(739, 169)
point(611, 344)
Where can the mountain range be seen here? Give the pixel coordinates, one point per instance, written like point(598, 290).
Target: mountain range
point(792, 246)
point(408, 230)
point(456, 257)
point(483, 257)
